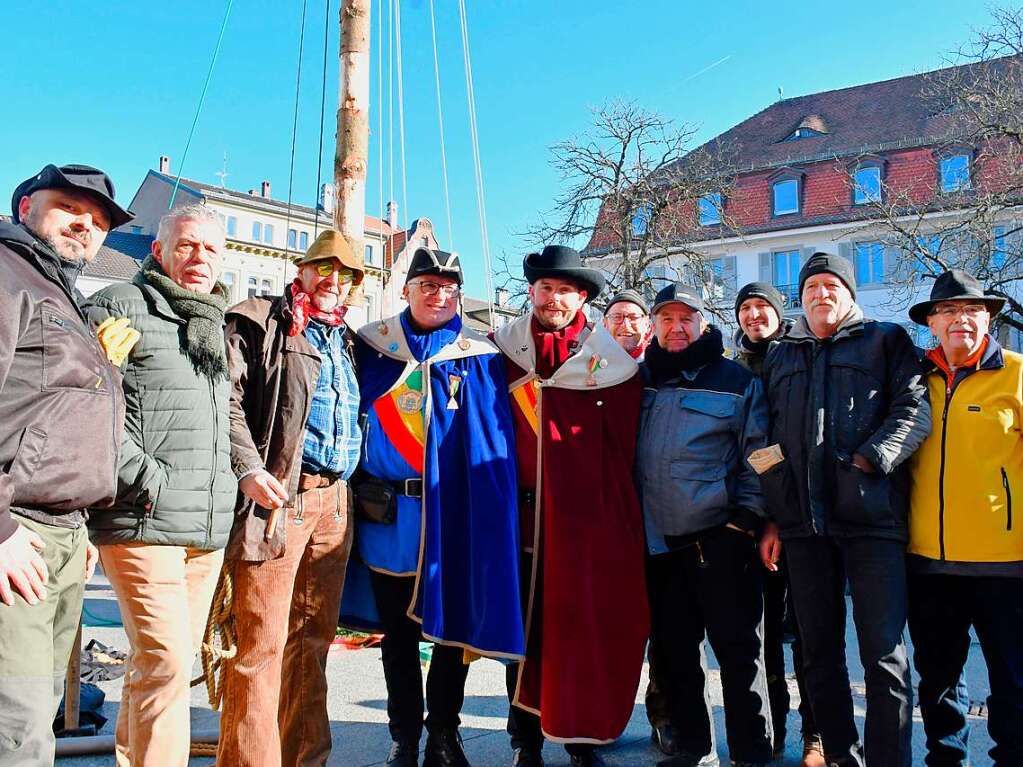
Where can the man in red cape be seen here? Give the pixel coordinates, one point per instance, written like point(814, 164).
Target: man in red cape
point(576, 399)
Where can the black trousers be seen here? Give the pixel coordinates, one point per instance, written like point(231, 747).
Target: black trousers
point(399, 653)
point(716, 587)
point(779, 619)
point(876, 571)
point(942, 608)
point(663, 612)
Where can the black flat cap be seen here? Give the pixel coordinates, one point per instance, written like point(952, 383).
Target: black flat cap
point(81, 178)
point(677, 293)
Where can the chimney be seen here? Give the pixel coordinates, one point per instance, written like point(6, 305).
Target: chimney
point(392, 214)
point(164, 164)
point(252, 192)
point(327, 192)
point(265, 190)
point(502, 296)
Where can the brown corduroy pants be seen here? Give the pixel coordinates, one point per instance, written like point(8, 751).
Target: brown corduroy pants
point(285, 613)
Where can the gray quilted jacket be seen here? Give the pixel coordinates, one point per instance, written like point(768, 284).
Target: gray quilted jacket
point(175, 483)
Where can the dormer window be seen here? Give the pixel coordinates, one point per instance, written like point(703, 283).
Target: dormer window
point(865, 176)
point(641, 219)
point(954, 171)
point(710, 209)
point(809, 127)
point(786, 192)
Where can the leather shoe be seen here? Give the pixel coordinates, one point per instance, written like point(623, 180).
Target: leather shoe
point(665, 737)
point(444, 749)
point(403, 754)
point(585, 758)
point(523, 757)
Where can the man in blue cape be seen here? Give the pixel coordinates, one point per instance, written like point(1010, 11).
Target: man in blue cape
point(436, 508)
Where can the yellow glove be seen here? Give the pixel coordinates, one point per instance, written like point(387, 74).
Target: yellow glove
point(117, 337)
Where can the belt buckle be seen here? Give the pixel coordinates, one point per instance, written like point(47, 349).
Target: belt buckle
point(414, 487)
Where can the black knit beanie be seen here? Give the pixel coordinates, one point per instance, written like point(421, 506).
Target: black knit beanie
point(763, 290)
point(827, 262)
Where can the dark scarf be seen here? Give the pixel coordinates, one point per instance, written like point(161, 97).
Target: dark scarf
point(553, 347)
point(204, 336)
point(666, 366)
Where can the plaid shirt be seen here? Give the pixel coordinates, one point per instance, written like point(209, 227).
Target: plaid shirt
point(332, 434)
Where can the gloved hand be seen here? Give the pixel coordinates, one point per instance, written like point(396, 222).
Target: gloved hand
point(117, 337)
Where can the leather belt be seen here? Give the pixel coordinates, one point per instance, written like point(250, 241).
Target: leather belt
point(308, 482)
point(412, 487)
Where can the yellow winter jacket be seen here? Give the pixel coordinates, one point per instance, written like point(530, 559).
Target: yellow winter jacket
point(965, 474)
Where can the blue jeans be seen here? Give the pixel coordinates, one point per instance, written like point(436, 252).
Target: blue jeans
point(875, 568)
point(942, 609)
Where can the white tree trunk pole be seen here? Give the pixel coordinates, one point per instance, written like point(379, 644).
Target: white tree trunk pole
point(350, 156)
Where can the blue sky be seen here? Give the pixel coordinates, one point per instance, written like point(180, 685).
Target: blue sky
point(115, 84)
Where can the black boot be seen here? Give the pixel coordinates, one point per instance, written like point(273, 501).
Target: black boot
point(403, 754)
point(583, 756)
point(665, 737)
point(444, 749)
point(524, 757)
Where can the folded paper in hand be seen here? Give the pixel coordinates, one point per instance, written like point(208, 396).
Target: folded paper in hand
point(763, 459)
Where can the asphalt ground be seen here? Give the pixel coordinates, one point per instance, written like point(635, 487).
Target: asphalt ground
point(358, 708)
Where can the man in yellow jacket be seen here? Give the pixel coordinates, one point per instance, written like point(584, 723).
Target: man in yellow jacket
point(966, 550)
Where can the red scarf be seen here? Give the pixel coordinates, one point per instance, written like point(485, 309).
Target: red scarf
point(553, 347)
point(303, 310)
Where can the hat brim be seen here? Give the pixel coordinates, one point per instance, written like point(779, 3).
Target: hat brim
point(590, 280)
point(919, 312)
point(118, 215)
point(360, 274)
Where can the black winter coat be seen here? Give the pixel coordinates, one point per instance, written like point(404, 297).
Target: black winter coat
point(859, 391)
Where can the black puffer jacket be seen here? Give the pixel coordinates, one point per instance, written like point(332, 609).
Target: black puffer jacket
point(859, 391)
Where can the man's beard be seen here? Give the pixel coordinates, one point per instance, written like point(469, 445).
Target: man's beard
point(555, 324)
point(71, 251)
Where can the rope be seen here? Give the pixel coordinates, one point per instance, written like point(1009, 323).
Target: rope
point(294, 131)
point(477, 164)
point(401, 109)
point(213, 653)
point(202, 99)
point(202, 749)
point(390, 139)
point(323, 108)
point(440, 125)
point(380, 119)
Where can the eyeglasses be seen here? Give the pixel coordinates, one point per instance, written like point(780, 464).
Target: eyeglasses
point(433, 288)
point(951, 311)
point(619, 319)
point(327, 268)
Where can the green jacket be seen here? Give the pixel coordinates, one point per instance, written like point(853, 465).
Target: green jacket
point(175, 483)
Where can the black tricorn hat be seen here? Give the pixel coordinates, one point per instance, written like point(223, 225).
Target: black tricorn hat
point(566, 263)
point(81, 178)
point(426, 261)
point(954, 285)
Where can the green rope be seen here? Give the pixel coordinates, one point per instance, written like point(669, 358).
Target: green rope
point(202, 99)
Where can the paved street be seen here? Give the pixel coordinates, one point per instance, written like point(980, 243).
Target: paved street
point(358, 708)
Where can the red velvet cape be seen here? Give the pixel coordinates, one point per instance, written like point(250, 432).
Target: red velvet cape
point(587, 616)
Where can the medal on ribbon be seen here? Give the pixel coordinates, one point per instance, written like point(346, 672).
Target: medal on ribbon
point(454, 383)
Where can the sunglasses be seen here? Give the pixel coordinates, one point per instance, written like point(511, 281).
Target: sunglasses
point(327, 268)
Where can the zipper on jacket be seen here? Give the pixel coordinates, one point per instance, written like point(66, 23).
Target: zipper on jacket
point(1008, 500)
point(216, 457)
point(949, 391)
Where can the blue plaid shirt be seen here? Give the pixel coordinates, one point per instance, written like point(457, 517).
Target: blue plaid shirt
point(332, 434)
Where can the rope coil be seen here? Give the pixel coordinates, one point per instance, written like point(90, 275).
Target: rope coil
point(218, 642)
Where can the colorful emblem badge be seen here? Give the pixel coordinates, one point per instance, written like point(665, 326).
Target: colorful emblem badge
point(454, 383)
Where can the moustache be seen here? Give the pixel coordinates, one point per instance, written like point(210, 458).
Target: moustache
point(82, 237)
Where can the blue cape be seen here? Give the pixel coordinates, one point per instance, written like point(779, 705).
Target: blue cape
point(467, 562)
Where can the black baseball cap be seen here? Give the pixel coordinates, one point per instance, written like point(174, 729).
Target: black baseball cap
point(677, 293)
point(82, 178)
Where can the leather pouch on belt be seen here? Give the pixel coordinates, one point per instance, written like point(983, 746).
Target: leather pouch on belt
point(375, 501)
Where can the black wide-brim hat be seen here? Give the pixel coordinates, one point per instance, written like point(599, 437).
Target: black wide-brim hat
point(566, 263)
point(80, 178)
point(954, 285)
